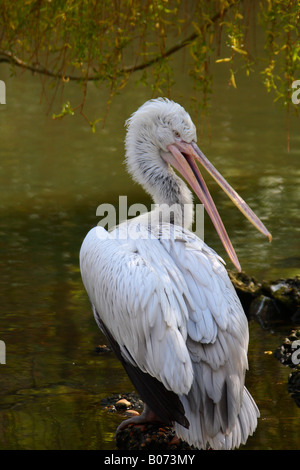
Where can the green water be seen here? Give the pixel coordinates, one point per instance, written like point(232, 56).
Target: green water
point(53, 175)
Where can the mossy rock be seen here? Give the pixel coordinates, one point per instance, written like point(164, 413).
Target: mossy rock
point(269, 302)
point(247, 288)
point(286, 293)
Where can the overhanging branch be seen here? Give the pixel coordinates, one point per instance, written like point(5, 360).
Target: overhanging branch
point(8, 57)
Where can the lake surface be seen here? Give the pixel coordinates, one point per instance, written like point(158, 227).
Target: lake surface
point(53, 175)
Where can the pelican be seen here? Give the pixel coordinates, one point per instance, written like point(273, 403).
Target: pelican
point(163, 298)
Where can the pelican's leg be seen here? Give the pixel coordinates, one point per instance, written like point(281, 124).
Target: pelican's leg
point(147, 416)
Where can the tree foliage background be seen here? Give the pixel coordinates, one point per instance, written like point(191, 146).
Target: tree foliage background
point(108, 41)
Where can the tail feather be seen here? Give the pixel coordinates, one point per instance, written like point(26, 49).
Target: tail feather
point(198, 436)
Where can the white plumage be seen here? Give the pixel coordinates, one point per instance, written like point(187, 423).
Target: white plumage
point(164, 299)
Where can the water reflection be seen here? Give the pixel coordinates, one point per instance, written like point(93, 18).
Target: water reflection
point(53, 176)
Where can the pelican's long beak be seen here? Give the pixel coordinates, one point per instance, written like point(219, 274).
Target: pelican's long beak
point(182, 157)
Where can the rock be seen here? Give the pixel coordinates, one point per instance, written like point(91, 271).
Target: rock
point(131, 413)
point(125, 400)
point(149, 436)
point(264, 310)
point(294, 386)
point(122, 404)
point(283, 294)
point(102, 348)
point(289, 355)
point(296, 317)
point(247, 288)
point(286, 293)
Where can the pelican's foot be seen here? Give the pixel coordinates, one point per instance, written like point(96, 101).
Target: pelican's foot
point(147, 416)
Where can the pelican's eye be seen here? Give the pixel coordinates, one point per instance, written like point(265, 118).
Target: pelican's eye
point(176, 134)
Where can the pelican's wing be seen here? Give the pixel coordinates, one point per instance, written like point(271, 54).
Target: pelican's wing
point(139, 305)
point(218, 406)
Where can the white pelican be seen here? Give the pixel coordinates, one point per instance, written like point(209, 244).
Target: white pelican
point(163, 298)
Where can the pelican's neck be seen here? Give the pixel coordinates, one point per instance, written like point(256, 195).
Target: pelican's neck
point(172, 198)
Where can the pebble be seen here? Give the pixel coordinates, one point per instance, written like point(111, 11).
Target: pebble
point(131, 413)
point(122, 404)
point(102, 348)
point(132, 398)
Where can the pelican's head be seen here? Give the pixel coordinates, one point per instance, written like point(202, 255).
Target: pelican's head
point(151, 129)
point(162, 122)
point(161, 135)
